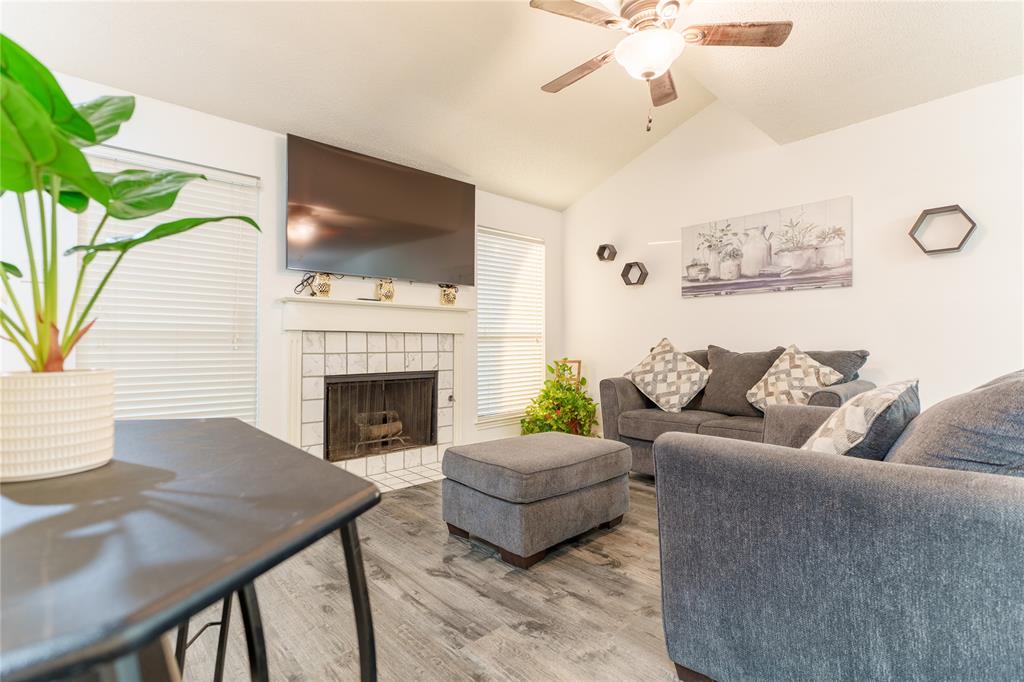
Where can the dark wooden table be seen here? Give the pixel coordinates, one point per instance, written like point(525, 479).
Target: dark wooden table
point(97, 565)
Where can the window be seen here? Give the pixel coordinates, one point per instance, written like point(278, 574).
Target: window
point(510, 323)
point(177, 322)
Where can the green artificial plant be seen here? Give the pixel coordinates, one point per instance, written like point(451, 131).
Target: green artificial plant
point(41, 140)
point(563, 404)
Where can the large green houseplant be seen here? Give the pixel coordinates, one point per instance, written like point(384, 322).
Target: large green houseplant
point(43, 166)
point(562, 405)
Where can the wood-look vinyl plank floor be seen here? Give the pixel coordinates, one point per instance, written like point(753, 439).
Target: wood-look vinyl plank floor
point(445, 608)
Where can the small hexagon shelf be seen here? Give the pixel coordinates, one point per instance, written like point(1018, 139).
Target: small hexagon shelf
point(942, 230)
point(634, 274)
point(606, 252)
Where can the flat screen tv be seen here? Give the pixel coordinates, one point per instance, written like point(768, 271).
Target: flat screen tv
point(351, 214)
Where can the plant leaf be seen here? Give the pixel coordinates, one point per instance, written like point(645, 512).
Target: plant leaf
point(10, 269)
point(123, 244)
point(139, 193)
point(22, 67)
point(105, 115)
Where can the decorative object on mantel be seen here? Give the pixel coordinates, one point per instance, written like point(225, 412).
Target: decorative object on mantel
point(449, 293)
point(634, 274)
point(563, 404)
point(318, 283)
point(606, 252)
point(55, 422)
point(799, 247)
point(944, 229)
point(385, 290)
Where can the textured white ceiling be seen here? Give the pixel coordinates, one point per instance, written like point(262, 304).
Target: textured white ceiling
point(454, 87)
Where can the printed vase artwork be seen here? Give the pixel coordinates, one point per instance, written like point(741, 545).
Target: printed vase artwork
point(799, 247)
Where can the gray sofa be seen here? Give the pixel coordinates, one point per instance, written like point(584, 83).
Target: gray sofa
point(783, 564)
point(630, 417)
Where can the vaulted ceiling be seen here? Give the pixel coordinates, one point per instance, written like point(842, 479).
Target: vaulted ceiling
point(454, 87)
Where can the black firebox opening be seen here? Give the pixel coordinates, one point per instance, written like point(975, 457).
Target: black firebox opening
point(372, 414)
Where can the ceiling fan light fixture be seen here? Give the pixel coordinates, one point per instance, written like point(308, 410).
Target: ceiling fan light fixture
point(668, 9)
point(647, 54)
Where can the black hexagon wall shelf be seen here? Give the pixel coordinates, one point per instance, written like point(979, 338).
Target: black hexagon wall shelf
point(947, 237)
point(634, 274)
point(606, 252)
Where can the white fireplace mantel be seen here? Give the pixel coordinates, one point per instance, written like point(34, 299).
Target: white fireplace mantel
point(301, 313)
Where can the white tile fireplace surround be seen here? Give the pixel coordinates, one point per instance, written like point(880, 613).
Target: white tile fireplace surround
point(333, 338)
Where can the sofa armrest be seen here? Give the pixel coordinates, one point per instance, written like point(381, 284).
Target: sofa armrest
point(618, 395)
point(792, 425)
point(783, 564)
point(834, 396)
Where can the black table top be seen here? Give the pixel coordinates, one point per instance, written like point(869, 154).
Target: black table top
point(97, 564)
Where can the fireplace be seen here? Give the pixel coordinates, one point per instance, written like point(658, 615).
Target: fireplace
point(373, 414)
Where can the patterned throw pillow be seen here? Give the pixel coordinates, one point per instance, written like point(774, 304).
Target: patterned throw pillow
point(670, 378)
point(792, 380)
point(868, 424)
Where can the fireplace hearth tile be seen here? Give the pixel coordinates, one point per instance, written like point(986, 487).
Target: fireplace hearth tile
point(444, 416)
point(411, 458)
point(413, 342)
point(356, 342)
point(375, 465)
point(312, 434)
point(312, 411)
point(428, 454)
point(446, 360)
point(446, 342)
point(376, 342)
point(444, 435)
point(315, 450)
point(430, 360)
point(396, 342)
point(378, 363)
point(312, 365)
point(356, 466)
point(312, 388)
point(336, 342)
point(429, 342)
point(357, 363)
point(444, 377)
point(312, 342)
point(335, 364)
point(396, 362)
point(413, 362)
point(393, 461)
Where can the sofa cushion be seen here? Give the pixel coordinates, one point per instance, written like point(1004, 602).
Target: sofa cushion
point(868, 424)
point(791, 380)
point(650, 423)
point(732, 375)
point(739, 428)
point(536, 467)
point(981, 430)
point(669, 378)
point(846, 362)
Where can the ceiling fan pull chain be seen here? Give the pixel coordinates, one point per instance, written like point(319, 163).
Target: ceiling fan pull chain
point(650, 119)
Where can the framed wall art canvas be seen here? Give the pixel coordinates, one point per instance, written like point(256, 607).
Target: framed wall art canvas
point(799, 247)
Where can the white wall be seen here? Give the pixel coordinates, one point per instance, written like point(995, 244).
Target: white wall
point(952, 320)
point(176, 132)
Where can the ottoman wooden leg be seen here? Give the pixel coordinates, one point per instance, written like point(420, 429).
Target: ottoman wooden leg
point(521, 561)
point(611, 524)
point(458, 532)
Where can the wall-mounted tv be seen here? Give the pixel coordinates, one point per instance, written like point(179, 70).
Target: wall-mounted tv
point(351, 214)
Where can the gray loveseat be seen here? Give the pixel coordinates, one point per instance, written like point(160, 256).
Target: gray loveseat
point(783, 564)
point(630, 417)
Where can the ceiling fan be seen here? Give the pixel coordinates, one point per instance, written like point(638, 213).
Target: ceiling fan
point(657, 35)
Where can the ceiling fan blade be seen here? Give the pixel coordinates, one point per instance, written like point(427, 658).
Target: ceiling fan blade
point(570, 77)
point(580, 12)
point(757, 34)
point(663, 89)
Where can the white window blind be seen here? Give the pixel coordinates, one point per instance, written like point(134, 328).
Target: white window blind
point(510, 323)
point(177, 321)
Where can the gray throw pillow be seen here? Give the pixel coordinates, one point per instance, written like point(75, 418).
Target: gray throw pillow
point(868, 424)
point(732, 375)
point(981, 430)
point(846, 362)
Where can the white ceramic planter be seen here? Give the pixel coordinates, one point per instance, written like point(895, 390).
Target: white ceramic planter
point(55, 423)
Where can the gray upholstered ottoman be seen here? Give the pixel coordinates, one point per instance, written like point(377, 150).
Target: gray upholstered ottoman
point(527, 494)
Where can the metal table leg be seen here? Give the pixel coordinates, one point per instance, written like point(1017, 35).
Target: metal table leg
point(253, 633)
point(222, 640)
point(360, 602)
point(181, 646)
